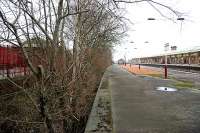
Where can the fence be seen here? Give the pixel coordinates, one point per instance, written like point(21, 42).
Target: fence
point(12, 62)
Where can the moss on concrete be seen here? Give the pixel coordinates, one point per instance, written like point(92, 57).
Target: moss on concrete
point(100, 119)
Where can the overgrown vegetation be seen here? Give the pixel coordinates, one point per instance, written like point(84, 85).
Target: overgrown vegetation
point(67, 46)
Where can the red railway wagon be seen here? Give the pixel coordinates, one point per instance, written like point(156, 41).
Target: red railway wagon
point(11, 57)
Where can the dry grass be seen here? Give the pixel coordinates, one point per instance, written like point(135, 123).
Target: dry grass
point(142, 71)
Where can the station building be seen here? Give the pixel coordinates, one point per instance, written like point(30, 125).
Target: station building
point(191, 57)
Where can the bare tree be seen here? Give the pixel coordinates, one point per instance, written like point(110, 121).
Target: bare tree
point(154, 4)
point(56, 92)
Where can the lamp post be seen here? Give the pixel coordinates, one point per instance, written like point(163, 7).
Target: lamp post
point(131, 42)
point(139, 61)
point(181, 19)
point(166, 45)
point(139, 58)
point(125, 56)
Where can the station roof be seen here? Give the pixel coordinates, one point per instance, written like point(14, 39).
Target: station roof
point(192, 50)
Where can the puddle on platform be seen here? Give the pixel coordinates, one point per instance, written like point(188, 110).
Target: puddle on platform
point(166, 89)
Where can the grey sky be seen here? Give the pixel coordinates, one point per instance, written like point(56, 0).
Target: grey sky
point(161, 30)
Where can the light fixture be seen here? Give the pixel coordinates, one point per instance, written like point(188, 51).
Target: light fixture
point(151, 19)
point(180, 18)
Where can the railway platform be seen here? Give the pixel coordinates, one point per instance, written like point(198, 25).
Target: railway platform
point(188, 67)
point(137, 107)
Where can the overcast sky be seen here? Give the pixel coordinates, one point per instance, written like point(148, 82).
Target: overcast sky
point(149, 37)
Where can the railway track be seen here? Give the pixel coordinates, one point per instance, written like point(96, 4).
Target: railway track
point(180, 74)
point(178, 67)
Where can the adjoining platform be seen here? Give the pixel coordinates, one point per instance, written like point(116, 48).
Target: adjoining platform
point(137, 107)
point(188, 67)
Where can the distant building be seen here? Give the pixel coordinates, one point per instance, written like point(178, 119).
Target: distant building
point(189, 56)
point(121, 61)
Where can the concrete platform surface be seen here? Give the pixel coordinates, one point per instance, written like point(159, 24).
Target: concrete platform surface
point(137, 107)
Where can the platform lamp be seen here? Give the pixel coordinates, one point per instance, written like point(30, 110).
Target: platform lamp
point(131, 42)
point(181, 19)
point(139, 62)
point(167, 44)
point(125, 55)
